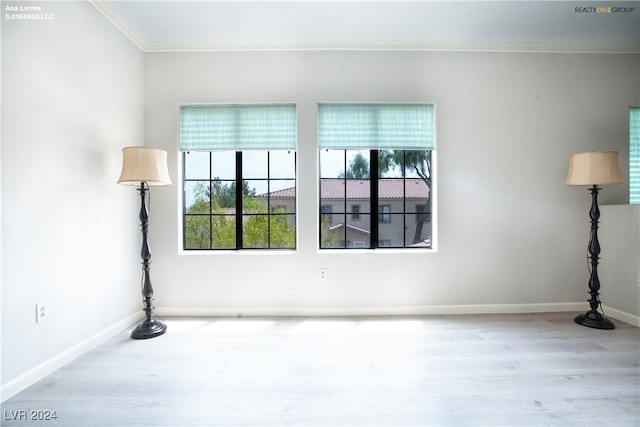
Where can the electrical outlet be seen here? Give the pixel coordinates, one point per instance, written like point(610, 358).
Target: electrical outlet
point(323, 274)
point(638, 279)
point(42, 312)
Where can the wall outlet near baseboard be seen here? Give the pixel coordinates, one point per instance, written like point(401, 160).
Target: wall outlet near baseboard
point(42, 312)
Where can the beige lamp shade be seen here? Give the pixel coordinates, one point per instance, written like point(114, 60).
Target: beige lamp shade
point(594, 168)
point(144, 164)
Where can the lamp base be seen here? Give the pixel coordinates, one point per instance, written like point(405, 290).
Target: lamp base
point(149, 328)
point(593, 319)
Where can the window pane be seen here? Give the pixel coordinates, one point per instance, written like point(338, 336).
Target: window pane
point(282, 231)
point(223, 195)
point(390, 163)
point(196, 165)
point(391, 194)
point(325, 214)
point(287, 186)
point(358, 238)
point(223, 164)
point(254, 196)
point(282, 196)
point(224, 232)
point(417, 164)
point(197, 231)
point(282, 164)
point(332, 163)
point(418, 234)
point(392, 230)
point(358, 190)
point(331, 190)
point(196, 195)
point(255, 231)
point(255, 164)
point(331, 236)
point(417, 193)
point(357, 162)
point(362, 224)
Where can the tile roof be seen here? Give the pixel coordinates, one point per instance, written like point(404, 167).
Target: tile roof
point(412, 188)
point(359, 189)
point(286, 193)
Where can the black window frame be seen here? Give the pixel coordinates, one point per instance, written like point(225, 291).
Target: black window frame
point(239, 213)
point(374, 204)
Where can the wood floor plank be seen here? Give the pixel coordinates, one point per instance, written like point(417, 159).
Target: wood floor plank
point(484, 370)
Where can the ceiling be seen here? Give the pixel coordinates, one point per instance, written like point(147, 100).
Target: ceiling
point(167, 25)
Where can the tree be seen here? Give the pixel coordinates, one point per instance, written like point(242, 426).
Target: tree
point(224, 195)
point(328, 238)
point(418, 162)
point(358, 168)
point(219, 229)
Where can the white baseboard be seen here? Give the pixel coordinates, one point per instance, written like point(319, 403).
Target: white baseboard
point(34, 375)
point(372, 311)
point(622, 316)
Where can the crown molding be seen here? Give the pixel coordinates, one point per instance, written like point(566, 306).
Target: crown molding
point(395, 47)
point(117, 22)
point(409, 46)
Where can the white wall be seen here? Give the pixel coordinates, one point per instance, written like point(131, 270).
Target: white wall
point(619, 237)
point(72, 98)
point(509, 231)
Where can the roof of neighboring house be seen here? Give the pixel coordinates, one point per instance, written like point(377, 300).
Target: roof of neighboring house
point(287, 193)
point(415, 188)
point(349, 227)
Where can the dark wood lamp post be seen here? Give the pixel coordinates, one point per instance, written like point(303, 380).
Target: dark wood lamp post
point(594, 169)
point(145, 167)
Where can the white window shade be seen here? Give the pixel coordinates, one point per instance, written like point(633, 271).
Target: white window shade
point(238, 127)
point(376, 126)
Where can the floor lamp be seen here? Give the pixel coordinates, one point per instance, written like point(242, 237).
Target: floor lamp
point(145, 167)
point(594, 169)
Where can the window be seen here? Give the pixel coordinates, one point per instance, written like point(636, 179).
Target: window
point(383, 213)
point(355, 212)
point(634, 155)
point(377, 157)
point(239, 177)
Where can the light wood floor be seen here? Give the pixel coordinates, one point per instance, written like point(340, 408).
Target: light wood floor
point(487, 370)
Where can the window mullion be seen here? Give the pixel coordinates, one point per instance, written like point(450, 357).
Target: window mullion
point(239, 206)
point(404, 199)
point(184, 199)
point(210, 200)
point(269, 199)
point(344, 205)
point(373, 199)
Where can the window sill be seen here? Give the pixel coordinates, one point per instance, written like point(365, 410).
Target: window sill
point(261, 252)
point(379, 251)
